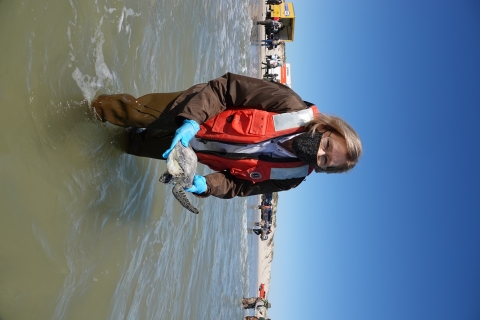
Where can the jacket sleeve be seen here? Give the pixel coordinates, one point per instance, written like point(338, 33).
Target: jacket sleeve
point(226, 186)
point(204, 101)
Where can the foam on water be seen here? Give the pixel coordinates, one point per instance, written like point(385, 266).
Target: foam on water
point(90, 84)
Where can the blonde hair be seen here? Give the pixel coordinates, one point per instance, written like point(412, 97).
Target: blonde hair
point(340, 126)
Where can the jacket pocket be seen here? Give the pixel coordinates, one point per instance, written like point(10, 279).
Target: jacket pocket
point(258, 124)
point(241, 122)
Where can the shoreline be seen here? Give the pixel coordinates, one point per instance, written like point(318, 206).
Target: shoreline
point(265, 248)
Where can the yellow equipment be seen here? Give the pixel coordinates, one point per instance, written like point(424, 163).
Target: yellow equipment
point(286, 14)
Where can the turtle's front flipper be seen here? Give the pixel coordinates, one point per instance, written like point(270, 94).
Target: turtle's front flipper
point(181, 196)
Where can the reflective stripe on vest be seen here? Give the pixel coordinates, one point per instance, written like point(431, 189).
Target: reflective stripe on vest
point(285, 121)
point(289, 173)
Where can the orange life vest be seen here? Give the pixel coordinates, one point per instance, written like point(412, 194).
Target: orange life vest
point(250, 126)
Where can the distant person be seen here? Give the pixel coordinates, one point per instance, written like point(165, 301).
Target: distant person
point(258, 232)
point(272, 43)
point(267, 215)
point(274, 24)
point(255, 302)
point(270, 76)
point(263, 224)
point(249, 303)
point(273, 61)
point(263, 305)
point(264, 231)
point(275, 57)
point(258, 137)
point(272, 27)
point(275, 80)
point(271, 65)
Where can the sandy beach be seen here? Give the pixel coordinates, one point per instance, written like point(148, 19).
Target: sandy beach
point(265, 248)
point(265, 254)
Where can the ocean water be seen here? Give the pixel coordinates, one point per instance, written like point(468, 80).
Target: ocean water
point(86, 231)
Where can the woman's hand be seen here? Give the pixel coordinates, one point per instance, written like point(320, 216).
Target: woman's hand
point(185, 133)
point(199, 185)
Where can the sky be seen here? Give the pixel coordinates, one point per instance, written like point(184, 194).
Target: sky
point(398, 237)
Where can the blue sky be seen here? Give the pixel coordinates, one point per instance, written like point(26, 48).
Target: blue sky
point(399, 236)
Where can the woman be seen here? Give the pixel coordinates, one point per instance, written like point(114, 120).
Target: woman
point(259, 136)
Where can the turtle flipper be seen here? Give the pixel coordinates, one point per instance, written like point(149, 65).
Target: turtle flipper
point(181, 196)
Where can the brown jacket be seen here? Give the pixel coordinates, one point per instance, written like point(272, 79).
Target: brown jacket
point(204, 101)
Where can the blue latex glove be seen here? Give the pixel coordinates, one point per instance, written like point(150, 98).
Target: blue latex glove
point(199, 185)
point(185, 133)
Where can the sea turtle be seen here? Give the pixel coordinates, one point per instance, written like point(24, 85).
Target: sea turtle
point(181, 167)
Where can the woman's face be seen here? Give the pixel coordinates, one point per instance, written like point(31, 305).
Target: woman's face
point(332, 151)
